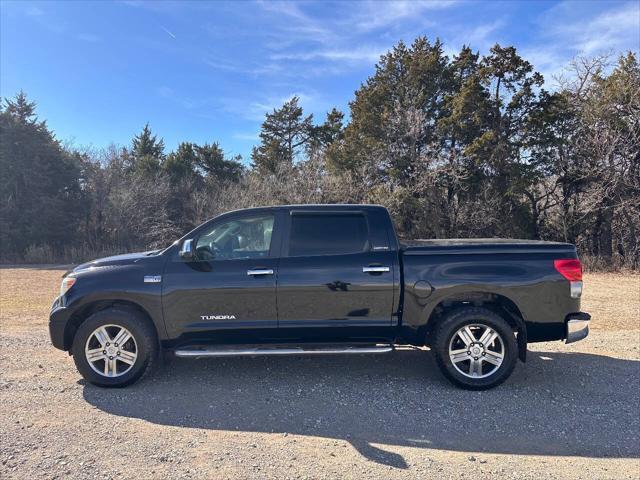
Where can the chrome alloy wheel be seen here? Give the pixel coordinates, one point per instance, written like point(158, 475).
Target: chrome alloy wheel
point(111, 350)
point(476, 350)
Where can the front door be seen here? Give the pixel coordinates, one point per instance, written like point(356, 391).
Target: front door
point(231, 285)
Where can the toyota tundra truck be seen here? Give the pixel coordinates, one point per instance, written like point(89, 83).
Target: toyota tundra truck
point(319, 280)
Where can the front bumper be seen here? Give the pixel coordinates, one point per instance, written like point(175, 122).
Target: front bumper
point(58, 319)
point(577, 326)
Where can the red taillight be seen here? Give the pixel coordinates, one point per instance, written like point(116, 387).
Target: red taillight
point(569, 268)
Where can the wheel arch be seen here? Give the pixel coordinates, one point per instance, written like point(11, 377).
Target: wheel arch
point(89, 309)
point(500, 304)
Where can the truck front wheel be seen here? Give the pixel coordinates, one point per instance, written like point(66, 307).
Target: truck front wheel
point(115, 347)
point(475, 348)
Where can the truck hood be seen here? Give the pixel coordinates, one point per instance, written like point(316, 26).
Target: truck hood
point(115, 260)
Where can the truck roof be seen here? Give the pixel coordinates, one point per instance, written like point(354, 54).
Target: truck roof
point(311, 206)
point(328, 206)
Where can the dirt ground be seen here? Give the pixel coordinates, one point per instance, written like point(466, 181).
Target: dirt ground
point(572, 411)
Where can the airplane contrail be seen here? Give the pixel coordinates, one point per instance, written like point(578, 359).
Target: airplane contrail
point(168, 32)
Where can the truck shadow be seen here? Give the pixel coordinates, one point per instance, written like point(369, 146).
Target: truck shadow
point(555, 404)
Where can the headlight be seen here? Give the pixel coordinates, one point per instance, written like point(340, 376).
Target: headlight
point(67, 283)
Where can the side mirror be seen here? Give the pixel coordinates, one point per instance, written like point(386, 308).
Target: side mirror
point(186, 251)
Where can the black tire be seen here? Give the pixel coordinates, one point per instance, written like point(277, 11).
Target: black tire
point(146, 343)
point(460, 318)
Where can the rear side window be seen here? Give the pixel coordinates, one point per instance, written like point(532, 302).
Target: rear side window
point(327, 234)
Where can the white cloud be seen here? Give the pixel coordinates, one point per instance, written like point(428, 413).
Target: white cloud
point(566, 32)
point(247, 137)
point(360, 54)
point(182, 101)
point(484, 36)
point(253, 69)
point(255, 109)
point(376, 14)
point(88, 37)
point(547, 61)
point(479, 38)
point(297, 25)
point(34, 11)
point(289, 9)
point(157, 7)
point(343, 41)
point(55, 24)
point(271, 103)
point(614, 29)
point(164, 91)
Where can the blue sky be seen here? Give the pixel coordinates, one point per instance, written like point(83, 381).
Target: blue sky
point(208, 71)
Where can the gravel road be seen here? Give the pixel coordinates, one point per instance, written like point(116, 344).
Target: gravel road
point(572, 411)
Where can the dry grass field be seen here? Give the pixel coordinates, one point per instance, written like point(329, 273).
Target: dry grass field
point(570, 412)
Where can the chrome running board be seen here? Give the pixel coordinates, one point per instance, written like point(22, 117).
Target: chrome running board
point(247, 351)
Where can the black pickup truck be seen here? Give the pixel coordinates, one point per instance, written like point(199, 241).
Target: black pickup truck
point(319, 279)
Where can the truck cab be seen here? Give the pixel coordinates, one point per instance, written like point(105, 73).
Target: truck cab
point(308, 273)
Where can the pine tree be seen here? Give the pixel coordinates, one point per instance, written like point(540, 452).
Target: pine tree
point(40, 192)
point(147, 152)
point(394, 114)
point(211, 161)
point(181, 164)
point(283, 136)
point(329, 132)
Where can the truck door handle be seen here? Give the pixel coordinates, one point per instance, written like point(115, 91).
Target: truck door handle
point(375, 269)
point(260, 271)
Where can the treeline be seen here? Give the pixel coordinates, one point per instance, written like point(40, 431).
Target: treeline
point(469, 146)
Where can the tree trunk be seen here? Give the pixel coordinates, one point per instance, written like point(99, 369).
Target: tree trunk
point(605, 240)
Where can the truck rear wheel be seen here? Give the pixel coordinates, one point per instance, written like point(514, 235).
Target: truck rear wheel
point(475, 348)
point(115, 347)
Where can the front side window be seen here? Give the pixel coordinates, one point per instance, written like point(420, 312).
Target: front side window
point(327, 234)
point(243, 238)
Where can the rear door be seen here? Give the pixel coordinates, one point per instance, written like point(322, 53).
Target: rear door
point(336, 277)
